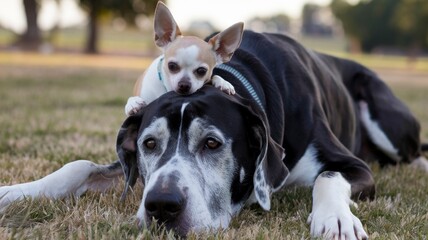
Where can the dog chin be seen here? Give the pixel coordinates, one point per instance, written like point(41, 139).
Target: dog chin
point(180, 227)
point(184, 226)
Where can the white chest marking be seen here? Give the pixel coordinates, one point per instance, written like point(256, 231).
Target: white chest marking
point(306, 169)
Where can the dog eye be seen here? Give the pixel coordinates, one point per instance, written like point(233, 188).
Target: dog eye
point(173, 67)
point(150, 144)
point(212, 144)
point(201, 71)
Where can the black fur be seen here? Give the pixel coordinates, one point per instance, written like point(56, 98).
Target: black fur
point(308, 98)
point(312, 98)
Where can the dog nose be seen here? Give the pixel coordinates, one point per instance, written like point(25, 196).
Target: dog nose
point(184, 87)
point(164, 207)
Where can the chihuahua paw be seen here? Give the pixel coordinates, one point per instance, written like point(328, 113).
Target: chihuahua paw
point(134, 105)
point(223, 85)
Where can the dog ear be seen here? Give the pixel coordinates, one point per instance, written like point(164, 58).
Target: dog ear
point(226, 42)
point(166, 29)
point(271, 172)
point(126, 148)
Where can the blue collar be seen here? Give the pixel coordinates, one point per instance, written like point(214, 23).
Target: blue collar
point(244, 82)
point(160, 73)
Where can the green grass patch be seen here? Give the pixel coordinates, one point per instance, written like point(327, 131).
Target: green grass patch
point(51, 116)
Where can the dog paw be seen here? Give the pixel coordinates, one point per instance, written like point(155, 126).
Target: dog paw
point(223, 85)
point(134, 105)
point(420, 163)
point(340, 224)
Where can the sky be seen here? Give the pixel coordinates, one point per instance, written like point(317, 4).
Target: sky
point(12, 14)
point(222, 13)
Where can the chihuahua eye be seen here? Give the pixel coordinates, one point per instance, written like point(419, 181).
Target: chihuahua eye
point(201, 71)
point(173, 67)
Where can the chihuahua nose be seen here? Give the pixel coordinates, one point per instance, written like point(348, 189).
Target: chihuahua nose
point(184, 87)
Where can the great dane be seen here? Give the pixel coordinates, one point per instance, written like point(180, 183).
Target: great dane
point(298, 118)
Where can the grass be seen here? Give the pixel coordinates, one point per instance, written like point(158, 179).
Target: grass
point(53, 115)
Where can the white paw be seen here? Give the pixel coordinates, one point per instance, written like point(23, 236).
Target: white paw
point(420, 163)
point(336, 222)
point(133, 105)
point(223, 85)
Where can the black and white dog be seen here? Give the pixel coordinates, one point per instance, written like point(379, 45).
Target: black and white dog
point(299, 117)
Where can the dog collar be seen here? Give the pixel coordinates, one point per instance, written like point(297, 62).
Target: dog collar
point(244, 82)
point(160, 73)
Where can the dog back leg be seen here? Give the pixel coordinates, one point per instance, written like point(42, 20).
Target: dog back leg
point(74, 178)
point(388, 123)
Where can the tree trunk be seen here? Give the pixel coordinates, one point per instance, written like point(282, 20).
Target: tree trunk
point(412, 55)
point(354, 45)
point(31, 39)
point(92, 34)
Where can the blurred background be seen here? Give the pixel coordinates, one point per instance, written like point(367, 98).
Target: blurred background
point(67, 68)
point(124, 27)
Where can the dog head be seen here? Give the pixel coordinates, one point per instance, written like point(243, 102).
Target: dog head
point(200, 162)
point(189, 61)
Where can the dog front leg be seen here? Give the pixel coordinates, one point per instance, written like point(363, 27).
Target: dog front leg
point(331, 216)
point(74, 178)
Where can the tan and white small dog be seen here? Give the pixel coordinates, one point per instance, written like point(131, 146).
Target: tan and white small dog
point(187, 62)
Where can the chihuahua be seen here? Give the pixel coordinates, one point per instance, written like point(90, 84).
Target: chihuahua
point(187, 62)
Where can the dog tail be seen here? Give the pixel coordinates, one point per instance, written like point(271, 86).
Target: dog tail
point(424, 147)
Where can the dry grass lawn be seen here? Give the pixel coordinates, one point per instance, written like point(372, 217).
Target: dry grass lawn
point(51, 116)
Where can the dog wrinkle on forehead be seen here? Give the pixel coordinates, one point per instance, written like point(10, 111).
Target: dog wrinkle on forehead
point(158, 127)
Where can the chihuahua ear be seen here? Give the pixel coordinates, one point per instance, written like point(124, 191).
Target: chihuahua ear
point(226, 42)
point(166, 29)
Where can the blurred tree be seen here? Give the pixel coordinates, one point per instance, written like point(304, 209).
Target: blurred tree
point(314, 21)
point(282, 22)
point(369, 23)
point(277, 23)
point(126, 9)
point(411, 17)
point(308, 16)
point(384, 23)
point(31, 38)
